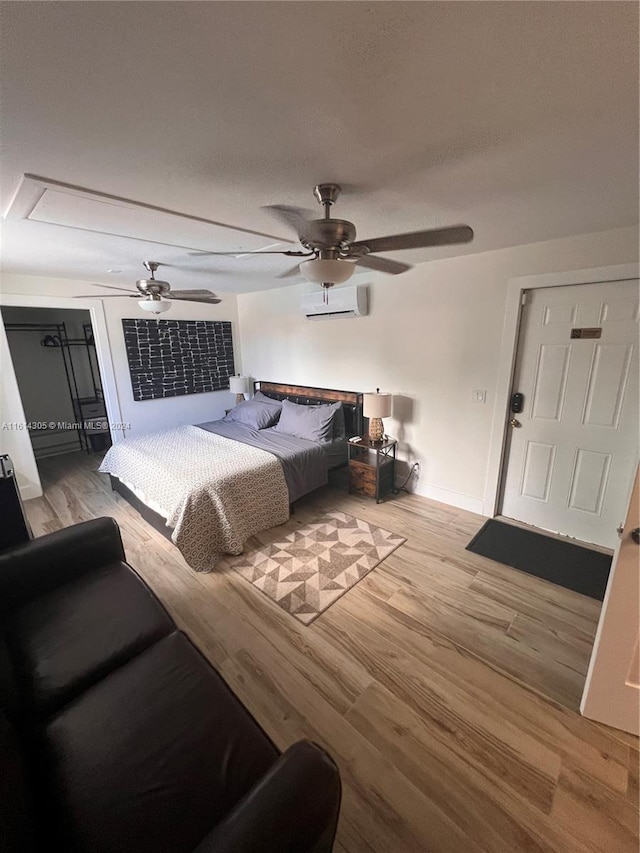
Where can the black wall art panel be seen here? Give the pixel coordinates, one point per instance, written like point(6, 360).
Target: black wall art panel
point(172, 357)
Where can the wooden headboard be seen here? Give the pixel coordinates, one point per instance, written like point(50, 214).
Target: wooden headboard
point(307, 396)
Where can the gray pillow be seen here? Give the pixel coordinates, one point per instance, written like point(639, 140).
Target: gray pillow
point(315, 423)
point(254, 413)
point(262, 398)
point(339, 426)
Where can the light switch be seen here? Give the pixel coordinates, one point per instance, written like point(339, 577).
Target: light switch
point(479, 396)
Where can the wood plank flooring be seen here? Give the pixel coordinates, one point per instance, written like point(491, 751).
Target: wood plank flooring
point(445, 685)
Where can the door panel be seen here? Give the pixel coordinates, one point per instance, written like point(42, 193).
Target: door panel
point(604, 397)
point(589, 480)
point(563, 313)
point(551, 381)
point(612, 690)
point(568, 468)
point(538, 468)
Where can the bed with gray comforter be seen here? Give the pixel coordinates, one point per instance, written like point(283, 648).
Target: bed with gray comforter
point(218, 483)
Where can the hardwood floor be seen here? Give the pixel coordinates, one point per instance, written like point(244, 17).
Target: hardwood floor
point(445, 685)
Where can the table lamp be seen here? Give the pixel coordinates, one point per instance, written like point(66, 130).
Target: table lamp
point(375, 407)
point(238, 386)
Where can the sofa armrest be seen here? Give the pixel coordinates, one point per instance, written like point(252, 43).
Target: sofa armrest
point(293, 809)
point(40, 565)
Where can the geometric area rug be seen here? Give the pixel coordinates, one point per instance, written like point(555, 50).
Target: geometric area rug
point(305, 567)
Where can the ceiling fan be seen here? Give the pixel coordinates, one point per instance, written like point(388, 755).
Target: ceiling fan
point(331, 248)
point(156, 293)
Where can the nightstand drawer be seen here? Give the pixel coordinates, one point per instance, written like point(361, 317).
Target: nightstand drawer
point(362, 479)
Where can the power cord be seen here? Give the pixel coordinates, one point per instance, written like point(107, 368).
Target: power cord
point(403, 488)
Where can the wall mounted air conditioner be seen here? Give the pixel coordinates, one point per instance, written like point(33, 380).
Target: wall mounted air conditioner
point(345, 301)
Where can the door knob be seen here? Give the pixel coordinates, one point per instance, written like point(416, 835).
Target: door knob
point(515, 423)
point(635, 535)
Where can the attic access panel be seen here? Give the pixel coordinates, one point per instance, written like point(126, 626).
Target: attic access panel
point(41, 199)
point(169, 358)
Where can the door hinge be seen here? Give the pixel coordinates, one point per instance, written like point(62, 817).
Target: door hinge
point(620, 530)
point(523, 297)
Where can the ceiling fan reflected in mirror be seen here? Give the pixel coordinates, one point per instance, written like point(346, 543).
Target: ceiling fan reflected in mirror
point(331, 251)
point(157, 294)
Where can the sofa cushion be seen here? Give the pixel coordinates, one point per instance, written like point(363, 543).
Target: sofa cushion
point(152, 757)
point(17, 825)
point(71, 637)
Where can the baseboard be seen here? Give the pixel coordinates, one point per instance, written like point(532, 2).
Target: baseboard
point(447, 496)
point(30, 491)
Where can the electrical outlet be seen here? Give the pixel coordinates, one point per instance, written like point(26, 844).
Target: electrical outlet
point(479, 396)
point(416, 468)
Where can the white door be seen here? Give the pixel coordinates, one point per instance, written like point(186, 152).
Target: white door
point(573, 448)
point(612, 691)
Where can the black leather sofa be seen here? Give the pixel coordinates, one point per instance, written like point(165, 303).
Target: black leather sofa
point(117, 736)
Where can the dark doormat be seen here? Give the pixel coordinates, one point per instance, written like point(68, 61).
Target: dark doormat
point(555, 560)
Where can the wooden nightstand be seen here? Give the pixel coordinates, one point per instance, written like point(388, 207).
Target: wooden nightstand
point(372, 467)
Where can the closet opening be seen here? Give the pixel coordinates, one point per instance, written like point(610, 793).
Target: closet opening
point(54, 357)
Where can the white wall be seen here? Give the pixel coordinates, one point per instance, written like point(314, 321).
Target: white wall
point(432, 336)
point(146, 415)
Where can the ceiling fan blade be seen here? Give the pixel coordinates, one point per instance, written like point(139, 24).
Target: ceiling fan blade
point(290, 272)
point(418, 239)
point(111, 286)
point(194, 296)
point(109, 295)
point(295, 218)
point(373, 262)
point(241, 254)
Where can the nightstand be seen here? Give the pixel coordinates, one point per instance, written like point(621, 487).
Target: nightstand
point(372, 467)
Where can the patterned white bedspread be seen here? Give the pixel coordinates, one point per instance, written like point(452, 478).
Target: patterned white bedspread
point(216, 492)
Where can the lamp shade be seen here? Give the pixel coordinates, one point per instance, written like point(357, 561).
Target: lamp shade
point(377, 405)
point(238, 384)
point(155, 306)
point(327, 270)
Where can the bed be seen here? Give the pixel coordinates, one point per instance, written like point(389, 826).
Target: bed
point(209, 487)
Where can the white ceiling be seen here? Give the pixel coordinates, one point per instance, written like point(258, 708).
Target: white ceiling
point(518, 118)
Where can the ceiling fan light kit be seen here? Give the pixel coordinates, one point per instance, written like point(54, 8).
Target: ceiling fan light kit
point(154, 305)
point(153, 290)
point(326, 271)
